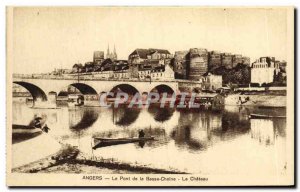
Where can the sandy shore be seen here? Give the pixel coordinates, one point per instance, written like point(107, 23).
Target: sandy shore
point(84, 169)
point(34, 149)
point(70, 160)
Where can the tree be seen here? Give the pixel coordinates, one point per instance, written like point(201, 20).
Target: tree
point(240, 74)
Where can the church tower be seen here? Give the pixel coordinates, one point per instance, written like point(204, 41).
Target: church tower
point(111, 55)
point(115, 53)
point(107, 53)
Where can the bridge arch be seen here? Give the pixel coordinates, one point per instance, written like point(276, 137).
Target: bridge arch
point(84, 88)
point(163, 88)
point(127, 88)
point(35, 91)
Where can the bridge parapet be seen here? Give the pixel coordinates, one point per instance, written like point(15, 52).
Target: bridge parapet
point(83, 78)
point(50, 83)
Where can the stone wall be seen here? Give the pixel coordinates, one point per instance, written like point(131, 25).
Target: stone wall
point(198, 63)
point(215, 59)
point(227, 60)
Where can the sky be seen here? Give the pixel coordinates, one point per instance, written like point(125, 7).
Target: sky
point(45, 38)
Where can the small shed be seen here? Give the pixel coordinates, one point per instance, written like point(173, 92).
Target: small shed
point(210, 100)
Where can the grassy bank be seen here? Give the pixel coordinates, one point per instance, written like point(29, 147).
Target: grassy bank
point(70, 160)
point(64, 155)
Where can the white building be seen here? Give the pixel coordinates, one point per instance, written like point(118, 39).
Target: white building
point(102, 74)
point(263, 70)
point(212, 82)
point(121, 74)
point(144, 73)
point(158, 73)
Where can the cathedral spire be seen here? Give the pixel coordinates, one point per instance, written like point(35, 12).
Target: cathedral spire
point(115, 49)
point(108, 53)
point(108, 49)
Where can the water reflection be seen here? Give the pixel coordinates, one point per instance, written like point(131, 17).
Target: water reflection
point(235, 121)
point(263, 131)
point(179, 133)
point(124, 116)
point(267, 130)
point(160, 114)
point(82, 118)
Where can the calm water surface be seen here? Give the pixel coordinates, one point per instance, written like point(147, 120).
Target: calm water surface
point(207, 142)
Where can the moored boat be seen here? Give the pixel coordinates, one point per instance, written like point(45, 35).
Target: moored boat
point(25, 129)
point(260, 116)
point(75, 100)
point(104, 142)
point(23, 132)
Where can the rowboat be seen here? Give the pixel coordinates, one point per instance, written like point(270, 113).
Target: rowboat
point(24, 129)
point(104, 142)
point(259, 116)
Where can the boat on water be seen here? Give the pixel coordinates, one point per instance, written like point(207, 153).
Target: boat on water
point(24, 129)
point(22, 133)
point(260, 116)
point(33, 107)
point(104, 142)
point(75, 100)
point(271, 107)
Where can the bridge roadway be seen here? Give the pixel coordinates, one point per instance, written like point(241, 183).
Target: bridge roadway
point(41, 86)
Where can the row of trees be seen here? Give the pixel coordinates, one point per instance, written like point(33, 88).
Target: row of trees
point(240, 74)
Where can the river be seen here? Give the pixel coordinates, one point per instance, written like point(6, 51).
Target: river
point(205, 142)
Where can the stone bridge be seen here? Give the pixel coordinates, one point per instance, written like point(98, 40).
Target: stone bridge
point(40, 87)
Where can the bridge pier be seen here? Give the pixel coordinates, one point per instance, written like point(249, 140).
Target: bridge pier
point(49, 103)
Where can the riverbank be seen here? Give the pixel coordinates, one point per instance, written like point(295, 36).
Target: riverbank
point(33, 149)
point(65, 154)
point(256, 100)
point(70, 160)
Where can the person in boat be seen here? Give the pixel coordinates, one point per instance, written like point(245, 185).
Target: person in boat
point(141, 133)
point(46, 128)
point(208, 105)
point(37, 123)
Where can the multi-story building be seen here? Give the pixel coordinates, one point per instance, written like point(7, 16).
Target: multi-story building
point(98, 57)
point(211, 82)
point(121, 70)
point(144, 73)
point(145, 58)
point(164, 72)
point(237, 59)
point(215, 59)
point(227, 60)
point(263, 70)
point(103, 74)
point(121, 73)
point(198, 63)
